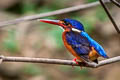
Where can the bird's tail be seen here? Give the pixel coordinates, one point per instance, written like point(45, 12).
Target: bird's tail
point(86, 59)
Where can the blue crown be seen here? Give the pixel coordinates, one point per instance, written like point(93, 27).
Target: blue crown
point(76, 24)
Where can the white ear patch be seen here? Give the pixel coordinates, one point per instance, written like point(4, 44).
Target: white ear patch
point(61, 28)
point(76, 30)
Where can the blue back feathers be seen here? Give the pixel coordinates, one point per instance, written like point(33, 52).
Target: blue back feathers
point(93, 43)
point(76, 24)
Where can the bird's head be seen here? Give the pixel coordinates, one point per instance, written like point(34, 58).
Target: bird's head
point(66, 24)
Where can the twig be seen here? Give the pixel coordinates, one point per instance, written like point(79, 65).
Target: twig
point(58, 61)
point(110, 17)
point(60, 11)
point(116, 3)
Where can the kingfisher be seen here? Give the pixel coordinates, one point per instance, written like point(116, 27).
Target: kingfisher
point(77, 41)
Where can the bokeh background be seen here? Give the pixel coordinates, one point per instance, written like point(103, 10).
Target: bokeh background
point(35, 39)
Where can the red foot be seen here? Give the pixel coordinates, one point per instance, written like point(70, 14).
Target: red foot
point(75, 62)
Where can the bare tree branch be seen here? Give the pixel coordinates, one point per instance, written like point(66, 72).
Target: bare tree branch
point(60, 11)
point(116, 3)
point(110, 17)
point(58, 61)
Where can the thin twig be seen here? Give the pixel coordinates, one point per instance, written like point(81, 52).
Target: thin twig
point(116, 3)
point(60, 11)
point(110, 17)
point(58, 61)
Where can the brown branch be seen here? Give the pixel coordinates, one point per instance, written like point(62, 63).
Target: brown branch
point(58, 61)
point(60, 11)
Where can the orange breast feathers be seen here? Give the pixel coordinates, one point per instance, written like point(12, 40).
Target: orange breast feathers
point(93, 54)
point(69, 46)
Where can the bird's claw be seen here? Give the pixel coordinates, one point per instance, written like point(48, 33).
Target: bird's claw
point(75, 62)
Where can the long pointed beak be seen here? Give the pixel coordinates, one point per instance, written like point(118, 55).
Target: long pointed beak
point(56, 22)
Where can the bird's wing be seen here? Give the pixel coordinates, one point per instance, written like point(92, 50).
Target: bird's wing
point(94, 44)
point(79, 43)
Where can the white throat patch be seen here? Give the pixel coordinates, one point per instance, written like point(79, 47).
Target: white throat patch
point(76, 30)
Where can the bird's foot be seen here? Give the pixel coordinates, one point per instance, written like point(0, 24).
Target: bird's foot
point(75, 62)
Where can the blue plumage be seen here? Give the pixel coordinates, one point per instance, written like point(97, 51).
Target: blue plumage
point(93, 43)
point(76, 24)
point(79, 43)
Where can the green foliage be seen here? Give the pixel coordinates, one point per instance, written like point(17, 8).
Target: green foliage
point(100, 14)
point(81, 71)
point(56, 33)
point(53, 5)
point(32, 69)
point(74, 71)
point(44, 9)
point(88, 23)
point(10, 43)
point(28, 7)
point(53, 31)
point(89, 1)
point(84, 78)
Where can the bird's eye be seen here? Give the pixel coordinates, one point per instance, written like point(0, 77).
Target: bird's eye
point(67, 23)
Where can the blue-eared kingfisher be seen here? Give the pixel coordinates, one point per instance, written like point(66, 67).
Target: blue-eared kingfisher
point(77, 41)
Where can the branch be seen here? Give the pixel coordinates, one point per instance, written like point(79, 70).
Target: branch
point(115, 2)
point(60, 11)
point(110, 17)
point(58, 61)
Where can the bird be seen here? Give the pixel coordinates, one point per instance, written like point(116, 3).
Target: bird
point(77, 41)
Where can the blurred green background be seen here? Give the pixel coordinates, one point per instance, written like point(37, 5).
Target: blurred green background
point(35, 39)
